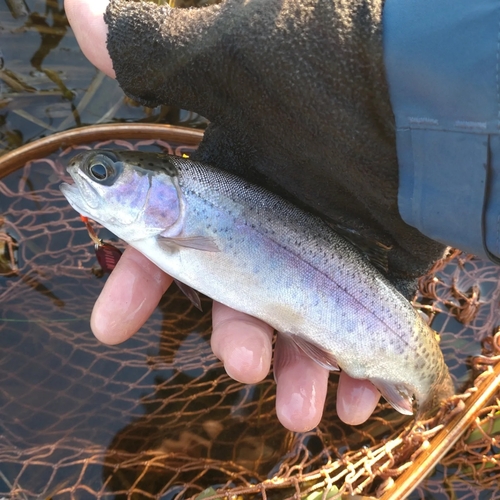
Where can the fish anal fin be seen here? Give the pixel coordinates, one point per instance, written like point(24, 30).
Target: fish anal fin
point(204, 243)
point(398, 397)
point(285, 352)
point(323, 358)
point(190, 293)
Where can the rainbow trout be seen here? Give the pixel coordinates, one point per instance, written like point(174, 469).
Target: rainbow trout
point(255, 252)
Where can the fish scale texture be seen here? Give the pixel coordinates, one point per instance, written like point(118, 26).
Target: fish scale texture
point(273, 262)
point(296, 94)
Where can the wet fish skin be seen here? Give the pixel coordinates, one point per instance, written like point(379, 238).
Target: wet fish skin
point(257, 253)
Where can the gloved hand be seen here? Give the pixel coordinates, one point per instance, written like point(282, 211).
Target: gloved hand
point(297, 99)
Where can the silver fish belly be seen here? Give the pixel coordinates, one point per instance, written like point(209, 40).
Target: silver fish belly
point(255, 252)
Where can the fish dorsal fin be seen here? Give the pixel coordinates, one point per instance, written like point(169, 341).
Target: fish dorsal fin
point(378, 255)
point(190, 293)
point(399, 398)
point(375, 251)
point(204, 243)
point(323, 358)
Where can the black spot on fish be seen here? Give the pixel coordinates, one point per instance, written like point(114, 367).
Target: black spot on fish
point(149, 162)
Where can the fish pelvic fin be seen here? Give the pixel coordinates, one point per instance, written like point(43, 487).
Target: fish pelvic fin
point(316, 353)
point(398, 396)
point(190, 293)
point(204, 243)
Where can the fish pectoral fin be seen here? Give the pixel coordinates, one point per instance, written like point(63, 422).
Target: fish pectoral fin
point(205, 243)
point(399, 397)
point(315, 352)
point(190, 293)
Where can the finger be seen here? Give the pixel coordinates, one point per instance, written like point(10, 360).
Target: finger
point(356, 399)
point(128, 298)
point(242, 342)
point(86, 20)
point(301, 387)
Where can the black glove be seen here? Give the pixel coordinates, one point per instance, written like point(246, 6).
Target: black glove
point(297, 98)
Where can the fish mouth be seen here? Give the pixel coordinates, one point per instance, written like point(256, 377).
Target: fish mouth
point(74, 196)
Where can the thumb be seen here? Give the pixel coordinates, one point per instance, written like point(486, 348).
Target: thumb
point(163, 55)
point(86, 18)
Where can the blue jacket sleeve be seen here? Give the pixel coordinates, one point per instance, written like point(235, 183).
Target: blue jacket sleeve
point(442, 61)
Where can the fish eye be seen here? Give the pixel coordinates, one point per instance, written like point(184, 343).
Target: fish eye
point(101, 168)
point(98, 171)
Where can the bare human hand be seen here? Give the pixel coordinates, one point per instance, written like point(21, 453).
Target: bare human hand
point(242, 342)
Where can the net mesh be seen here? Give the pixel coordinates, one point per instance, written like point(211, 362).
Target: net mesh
point(157, 417)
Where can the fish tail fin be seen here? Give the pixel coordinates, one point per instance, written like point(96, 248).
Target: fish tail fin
point(442, 389)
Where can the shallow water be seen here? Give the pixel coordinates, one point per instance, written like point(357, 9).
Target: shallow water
point(47, 85)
